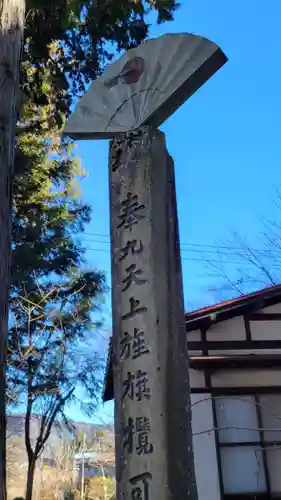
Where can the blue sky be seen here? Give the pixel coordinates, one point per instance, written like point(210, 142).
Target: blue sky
point(225, 142)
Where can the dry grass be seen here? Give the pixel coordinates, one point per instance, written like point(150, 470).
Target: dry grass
point(50, 483)
point(99, 488)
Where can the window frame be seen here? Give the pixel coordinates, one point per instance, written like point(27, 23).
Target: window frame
point(267, 495)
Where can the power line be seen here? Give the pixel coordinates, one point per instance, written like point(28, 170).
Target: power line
point(193, 250)
point(183, 258)
point(183, 244)
point(182, 250)
point(192, 259)
point(266, 253)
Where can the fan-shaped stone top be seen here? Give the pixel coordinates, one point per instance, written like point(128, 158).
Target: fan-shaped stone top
point(145, 86)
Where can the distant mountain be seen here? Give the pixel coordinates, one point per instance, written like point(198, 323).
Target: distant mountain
point(98, 437)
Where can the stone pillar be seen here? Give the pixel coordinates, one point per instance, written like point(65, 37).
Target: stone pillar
point(154, 458)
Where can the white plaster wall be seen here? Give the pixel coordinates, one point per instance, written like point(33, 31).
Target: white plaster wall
point(195, 353)
point(266, 330)
point(232, 329)
point(240, 352)
point(194, 336)
point(271, 309)
point(196, 378)
point(205, 457)
point(244, 378)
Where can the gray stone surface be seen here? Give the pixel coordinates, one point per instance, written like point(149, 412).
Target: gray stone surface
point(152, 407)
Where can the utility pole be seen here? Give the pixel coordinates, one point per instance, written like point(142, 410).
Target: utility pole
point(11, 37)
point(153, 436)
point(83, 467)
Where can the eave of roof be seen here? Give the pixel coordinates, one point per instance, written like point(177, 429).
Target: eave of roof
point(246, 361)
point(234, 307)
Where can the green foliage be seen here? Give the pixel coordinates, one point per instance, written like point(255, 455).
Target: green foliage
point(85, 36)
point(66, 44)
point(51, 353)
point(51, 356)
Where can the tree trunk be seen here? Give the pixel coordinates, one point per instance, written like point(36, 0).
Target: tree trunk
point(11, 36)
point(30, 479)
